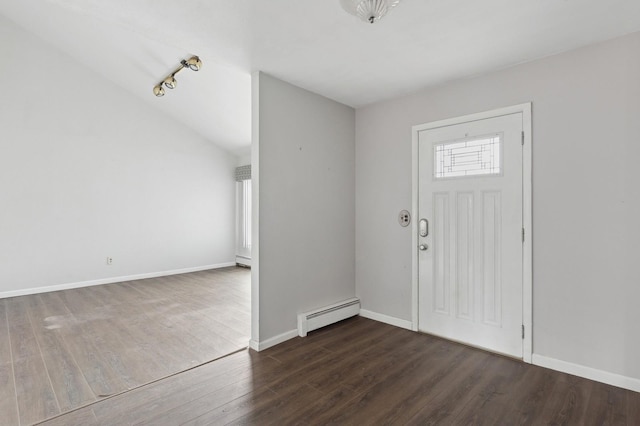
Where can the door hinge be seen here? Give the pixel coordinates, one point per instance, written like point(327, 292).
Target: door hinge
point(523, 331)
point(522, 140)
point(523, 235)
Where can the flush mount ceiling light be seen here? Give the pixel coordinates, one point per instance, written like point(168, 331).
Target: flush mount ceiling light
point(369, 10)
point(193, 63)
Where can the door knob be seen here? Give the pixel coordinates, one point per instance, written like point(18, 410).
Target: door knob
point(423, 247)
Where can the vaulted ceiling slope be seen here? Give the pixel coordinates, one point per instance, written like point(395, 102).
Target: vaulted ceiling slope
point(312, 44)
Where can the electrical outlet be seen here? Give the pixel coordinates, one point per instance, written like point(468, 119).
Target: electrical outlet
point(109, 260)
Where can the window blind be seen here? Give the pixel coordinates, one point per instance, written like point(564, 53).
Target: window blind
point(243, 173)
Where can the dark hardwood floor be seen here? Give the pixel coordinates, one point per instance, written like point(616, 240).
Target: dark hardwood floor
point(66, 349)
point(361, 372)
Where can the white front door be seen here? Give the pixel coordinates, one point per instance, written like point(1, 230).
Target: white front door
point(470, 263)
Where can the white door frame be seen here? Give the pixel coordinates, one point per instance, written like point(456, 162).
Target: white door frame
point(527, 249)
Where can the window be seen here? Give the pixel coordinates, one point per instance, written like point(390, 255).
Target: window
point(469, 157)
point(246, 214)
point(243, 215)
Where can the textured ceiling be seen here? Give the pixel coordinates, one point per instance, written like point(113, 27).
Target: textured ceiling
point(313, 44)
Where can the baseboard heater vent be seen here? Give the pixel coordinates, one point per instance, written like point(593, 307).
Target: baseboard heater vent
point(322, 317)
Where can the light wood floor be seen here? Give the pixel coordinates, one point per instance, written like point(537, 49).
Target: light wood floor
point(66, 349)
point(361, 372)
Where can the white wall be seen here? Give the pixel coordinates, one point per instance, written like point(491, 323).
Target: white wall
point(88, 171)
point(305, 171)
point(586, 236)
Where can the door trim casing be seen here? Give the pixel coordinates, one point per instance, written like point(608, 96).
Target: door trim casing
point(527, 213)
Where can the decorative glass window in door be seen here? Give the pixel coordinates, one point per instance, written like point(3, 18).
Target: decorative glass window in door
point(469, 157)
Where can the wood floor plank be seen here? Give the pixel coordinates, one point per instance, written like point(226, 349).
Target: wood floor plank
point(170, 351)
point(379, 366)
point(388, 395)
point(218, 306)
point(235, 333)
point(68, 382)
point(81, 417)
point(352, 332)
point(281, 369)
point(196, 406)
point(145, 353)
point(568, 400)
point(335, 401)
point(527, 402)
point(35, 395)
point(183, 348)
point(341, 357)
point(174, 331)
point(95, 368)
point(8, 402)
point(33, 390)
point(490, 394)
point(318, 338)
point(105, 294)
point(236, 409)
point(200, 327)
point(236, 323)
point(139, 336)
point(187, 395)
point(437, 399)
point(16, 308)
point(462, 396)
point(5, 347)
point(56, 313)
point(127, 360)
point(607, 405)
point(633, 408)
point(282, 407)
point(23, 341)
point(84, 299)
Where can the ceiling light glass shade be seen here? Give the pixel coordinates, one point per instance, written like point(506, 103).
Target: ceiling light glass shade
point(158, 90)
point(194, 63)
point(170, 82)
point(369, 10)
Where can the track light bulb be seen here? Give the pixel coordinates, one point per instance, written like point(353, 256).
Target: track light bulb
point(194, 63)
point(170, 82)
point(158, 91)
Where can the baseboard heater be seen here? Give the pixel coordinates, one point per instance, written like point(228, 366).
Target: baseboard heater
point(322, 317)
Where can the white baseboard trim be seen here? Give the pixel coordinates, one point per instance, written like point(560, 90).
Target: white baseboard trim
point(587, 372)
point(111, 280)
point(242, 260)
point(261, 346)
point(397, 322)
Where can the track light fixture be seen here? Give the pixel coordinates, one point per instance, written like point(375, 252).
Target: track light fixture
point(193, 63)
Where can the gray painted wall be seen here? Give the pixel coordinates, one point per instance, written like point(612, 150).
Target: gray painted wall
point(307, 209)
point(88, 171)
point(586, 236)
